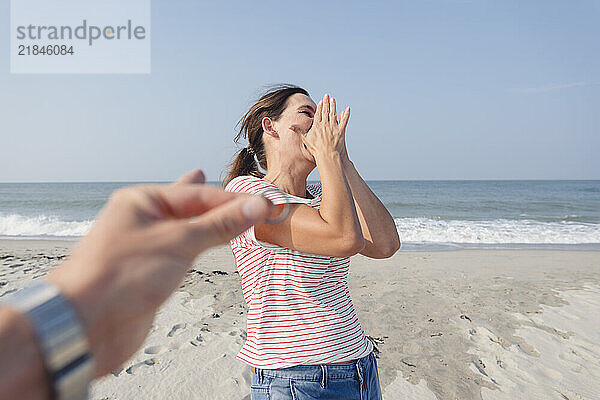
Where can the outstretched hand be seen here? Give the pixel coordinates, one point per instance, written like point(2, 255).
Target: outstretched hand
point(139, 250)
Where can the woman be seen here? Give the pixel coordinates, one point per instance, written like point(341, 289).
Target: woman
point(304, 339)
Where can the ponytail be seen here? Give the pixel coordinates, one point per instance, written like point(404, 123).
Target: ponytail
point(243, 164)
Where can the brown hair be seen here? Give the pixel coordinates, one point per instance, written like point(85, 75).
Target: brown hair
point(271, 104)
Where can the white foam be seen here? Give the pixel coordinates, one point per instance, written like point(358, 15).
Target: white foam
point(42, 225)
point(415, 230)
point(499, 231)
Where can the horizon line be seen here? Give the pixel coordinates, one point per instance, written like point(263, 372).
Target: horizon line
point(313, 180)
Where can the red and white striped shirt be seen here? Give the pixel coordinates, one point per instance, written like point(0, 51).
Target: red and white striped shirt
point(299, 306)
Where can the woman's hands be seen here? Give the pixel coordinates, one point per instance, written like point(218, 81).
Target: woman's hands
point(326, 135)
point(138, 251)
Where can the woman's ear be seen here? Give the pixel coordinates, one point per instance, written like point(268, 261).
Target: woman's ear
point(268, 127)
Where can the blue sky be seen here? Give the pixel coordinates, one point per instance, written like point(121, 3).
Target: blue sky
point(439, 89)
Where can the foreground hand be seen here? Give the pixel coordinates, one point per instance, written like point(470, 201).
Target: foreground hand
point(137, 253)
point(326, 134)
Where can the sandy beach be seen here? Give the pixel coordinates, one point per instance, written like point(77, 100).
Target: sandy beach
point(465, 324)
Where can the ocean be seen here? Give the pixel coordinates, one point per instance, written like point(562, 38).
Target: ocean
point(429, 215)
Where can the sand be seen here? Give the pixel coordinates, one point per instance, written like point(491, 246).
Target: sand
point(466, 324)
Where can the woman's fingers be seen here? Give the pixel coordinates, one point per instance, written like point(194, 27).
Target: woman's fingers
point(344, 118)
point(305, 140)
point(318, 112)
point(332, 111)
point(325, 111)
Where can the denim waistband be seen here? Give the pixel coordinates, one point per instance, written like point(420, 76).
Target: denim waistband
point(319, 372)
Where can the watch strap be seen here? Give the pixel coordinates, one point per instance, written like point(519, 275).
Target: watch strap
point(61, 338)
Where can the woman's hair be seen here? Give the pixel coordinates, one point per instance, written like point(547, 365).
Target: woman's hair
point(271, 104)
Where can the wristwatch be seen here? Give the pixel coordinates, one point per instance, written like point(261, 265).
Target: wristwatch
point(61, 337)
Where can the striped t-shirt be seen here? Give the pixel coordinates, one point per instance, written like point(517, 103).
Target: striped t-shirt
point(299, 306)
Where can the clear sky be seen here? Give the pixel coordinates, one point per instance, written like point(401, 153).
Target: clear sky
point(439, 89)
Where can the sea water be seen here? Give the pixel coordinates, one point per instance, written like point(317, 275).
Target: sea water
point(429, 215)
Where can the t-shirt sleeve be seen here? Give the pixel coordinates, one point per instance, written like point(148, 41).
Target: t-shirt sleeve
point(257, 186)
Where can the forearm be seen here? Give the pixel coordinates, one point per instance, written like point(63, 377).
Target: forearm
point(136, 254)
point(23, 375)
point(337, 206)
point(378, 227)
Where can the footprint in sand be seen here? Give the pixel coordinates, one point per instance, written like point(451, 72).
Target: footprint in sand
point(8, 292)
point(479, 367)
point(155, 349)
point(176, 329)
point(196, 342)
point(500, 363)
point(146, 363)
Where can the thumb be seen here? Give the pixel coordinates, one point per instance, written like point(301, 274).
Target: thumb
point(223, 223)
point(195, 176)
point(303, 138)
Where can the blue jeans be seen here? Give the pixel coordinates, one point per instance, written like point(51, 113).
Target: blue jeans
point(358, 380)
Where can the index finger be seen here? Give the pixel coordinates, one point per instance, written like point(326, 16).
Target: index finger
point(319, 112)
point(191, 200)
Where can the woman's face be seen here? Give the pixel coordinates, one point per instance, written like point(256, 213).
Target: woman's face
point(299, 112)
